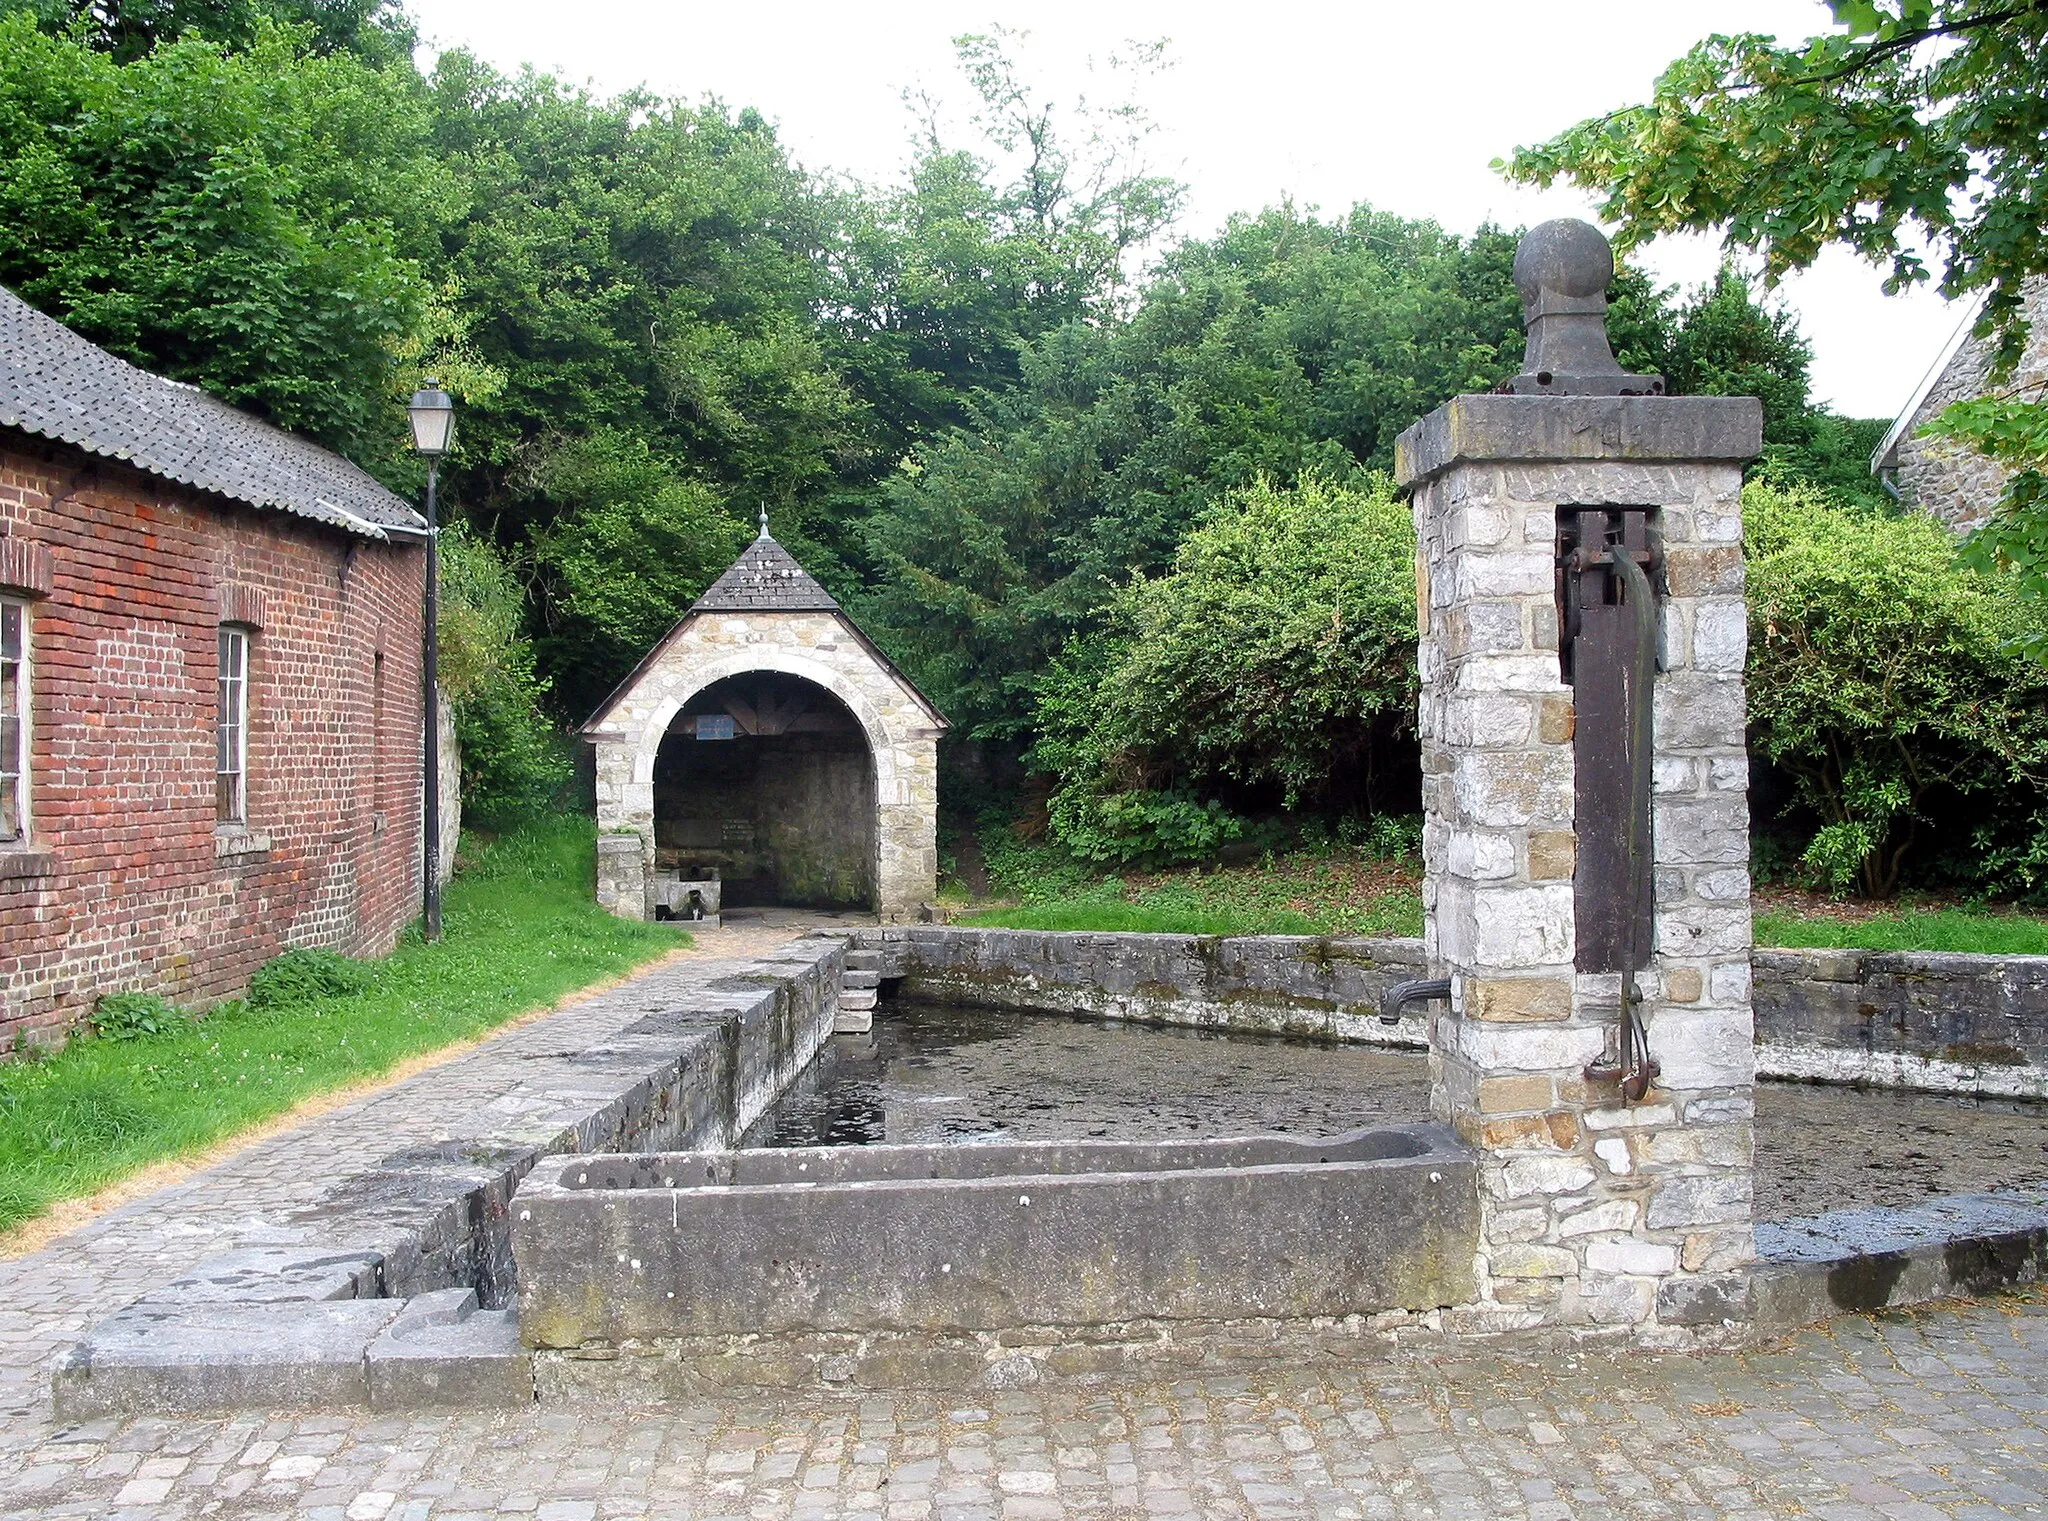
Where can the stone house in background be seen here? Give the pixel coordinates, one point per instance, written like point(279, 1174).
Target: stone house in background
point(210, 689)
point(766, 744)
point(1949, 479)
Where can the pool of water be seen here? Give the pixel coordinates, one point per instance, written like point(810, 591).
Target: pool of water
point(939, 1073)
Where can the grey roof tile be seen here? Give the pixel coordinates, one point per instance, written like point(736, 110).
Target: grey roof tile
point(59, 385)
point(765, 579)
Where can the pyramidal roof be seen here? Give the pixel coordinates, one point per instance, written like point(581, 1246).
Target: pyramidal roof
point(765, 579)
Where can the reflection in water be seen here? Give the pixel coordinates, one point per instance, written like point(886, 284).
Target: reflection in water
point(942, 1073)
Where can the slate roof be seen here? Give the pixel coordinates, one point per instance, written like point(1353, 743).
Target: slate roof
point(765, 579)
point(59, 385)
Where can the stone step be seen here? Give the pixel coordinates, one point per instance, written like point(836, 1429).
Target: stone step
point(864, 961)
point(444, 1351)
point(857, 998)
point(853, 978)
point(853, 1022)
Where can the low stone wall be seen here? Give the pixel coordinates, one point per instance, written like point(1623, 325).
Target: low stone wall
point(392, 1290)
point(1923, 1020)
point(1929, 1020)
point(1274, 984)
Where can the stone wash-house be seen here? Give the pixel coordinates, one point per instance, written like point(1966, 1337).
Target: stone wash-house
point(210, 691)
point(1938, 475)
point(766, 745)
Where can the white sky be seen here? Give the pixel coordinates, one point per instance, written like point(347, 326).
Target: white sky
point(1388, 101)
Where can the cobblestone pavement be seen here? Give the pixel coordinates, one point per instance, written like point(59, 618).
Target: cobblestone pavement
point(1942, 1413)
point(1938, 1414)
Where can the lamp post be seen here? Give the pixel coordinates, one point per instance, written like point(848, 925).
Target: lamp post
point(433, 430)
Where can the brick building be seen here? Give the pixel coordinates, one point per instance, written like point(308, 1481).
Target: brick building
point(210, 689)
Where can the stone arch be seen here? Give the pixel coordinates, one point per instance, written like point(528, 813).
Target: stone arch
point(777, 802)
point(882, 741)
point(815, 645)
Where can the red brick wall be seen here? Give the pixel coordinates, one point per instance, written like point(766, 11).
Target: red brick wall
point(124, 886)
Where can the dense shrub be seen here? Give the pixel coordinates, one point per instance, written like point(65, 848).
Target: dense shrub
point(1889, 683)
point(304, 975)
point(513, 760)
point(130, 1016)
point(1274, 663)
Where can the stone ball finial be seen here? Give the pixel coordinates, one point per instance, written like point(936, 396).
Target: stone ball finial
point(1563, 269)
point(1565, 257)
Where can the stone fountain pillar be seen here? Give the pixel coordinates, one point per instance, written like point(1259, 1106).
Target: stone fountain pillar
point(1616, 1179)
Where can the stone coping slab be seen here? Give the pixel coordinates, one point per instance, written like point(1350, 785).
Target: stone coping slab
point(278, 1324)
point(1568, 429)
point(1861, 1260)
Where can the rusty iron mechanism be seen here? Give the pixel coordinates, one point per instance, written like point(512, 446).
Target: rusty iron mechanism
point(1607, 650)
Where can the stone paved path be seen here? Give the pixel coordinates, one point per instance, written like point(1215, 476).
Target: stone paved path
point(48, 1296)
point(1938, 1414)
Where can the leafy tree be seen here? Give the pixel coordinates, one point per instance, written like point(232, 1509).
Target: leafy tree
point(1285, 346)
point(252, 222)
point(636, 542)
point(1081, 186)
point(378, 31)
point(1920, 122)
point(1885, 682)
point(1274, 662)
point(639, 265)
point(1724, 342)
point(512, 761)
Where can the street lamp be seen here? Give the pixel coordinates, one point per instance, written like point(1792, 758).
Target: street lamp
point(433, 430)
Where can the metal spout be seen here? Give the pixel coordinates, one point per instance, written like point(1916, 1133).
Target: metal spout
point(1418, 991)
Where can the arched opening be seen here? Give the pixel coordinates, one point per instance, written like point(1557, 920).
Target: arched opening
point(767, 781)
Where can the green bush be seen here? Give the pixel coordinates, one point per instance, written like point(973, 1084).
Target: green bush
point(1888, 681)
point(304, 975)
point(513, 761)
point(1275, 661)
point(129, 1016)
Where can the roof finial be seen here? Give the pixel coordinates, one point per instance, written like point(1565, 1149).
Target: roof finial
point(764, 520)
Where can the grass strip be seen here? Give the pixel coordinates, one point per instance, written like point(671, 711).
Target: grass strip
point(1948, 929)
point(1329, 892)
point(521, 932)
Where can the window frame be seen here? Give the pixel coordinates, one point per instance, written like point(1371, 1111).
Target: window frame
point(15, 832)
point(231, 785)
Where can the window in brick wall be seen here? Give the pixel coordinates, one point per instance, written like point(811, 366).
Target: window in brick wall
point(14, 725)
point(231, 729)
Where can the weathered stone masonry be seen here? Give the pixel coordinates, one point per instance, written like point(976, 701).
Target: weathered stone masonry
point(1596, 1211)
point(766, 616)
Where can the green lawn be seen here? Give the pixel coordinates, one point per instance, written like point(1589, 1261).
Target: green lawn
point(1326, 892)
point(1947, 929)
point(521, 932)
point(1338, 891)
point(1164, 913)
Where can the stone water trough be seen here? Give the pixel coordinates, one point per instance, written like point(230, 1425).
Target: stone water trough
point(984, 1238)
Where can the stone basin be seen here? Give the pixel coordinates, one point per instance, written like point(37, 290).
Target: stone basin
point(941, 1238)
